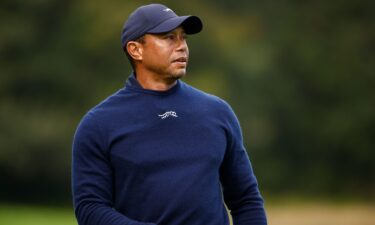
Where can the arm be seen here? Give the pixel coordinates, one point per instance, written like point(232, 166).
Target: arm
point(92, 178)
point(240, 187)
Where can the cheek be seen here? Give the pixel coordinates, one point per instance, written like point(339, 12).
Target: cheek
point(157, 55)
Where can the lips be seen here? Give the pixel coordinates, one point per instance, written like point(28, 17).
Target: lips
point(180, 60)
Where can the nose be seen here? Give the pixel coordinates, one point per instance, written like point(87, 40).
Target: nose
point(182, 44)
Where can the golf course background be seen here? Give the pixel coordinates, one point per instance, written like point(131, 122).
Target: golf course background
point(299, 75)
point(278, 214)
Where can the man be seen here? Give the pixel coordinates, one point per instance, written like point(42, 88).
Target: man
point(160, 151)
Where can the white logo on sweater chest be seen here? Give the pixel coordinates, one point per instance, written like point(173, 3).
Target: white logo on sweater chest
point(168, 114)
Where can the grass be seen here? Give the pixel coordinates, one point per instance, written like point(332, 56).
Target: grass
point(35, 215)
point(278, 214)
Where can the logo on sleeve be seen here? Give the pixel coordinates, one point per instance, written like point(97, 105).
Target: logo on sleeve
point(168, 114)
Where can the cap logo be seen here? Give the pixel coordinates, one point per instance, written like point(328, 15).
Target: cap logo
point(167, 10)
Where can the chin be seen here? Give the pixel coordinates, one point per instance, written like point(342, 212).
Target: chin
point(179, 74)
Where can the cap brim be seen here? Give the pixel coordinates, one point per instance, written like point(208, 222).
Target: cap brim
point(191, 25)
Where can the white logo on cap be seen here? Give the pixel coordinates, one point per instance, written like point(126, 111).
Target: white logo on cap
point(167, 10)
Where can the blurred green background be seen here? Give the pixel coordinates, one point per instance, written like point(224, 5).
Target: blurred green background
point(300, 76)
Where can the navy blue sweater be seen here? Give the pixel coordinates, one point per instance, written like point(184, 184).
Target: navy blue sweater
point(162, 157)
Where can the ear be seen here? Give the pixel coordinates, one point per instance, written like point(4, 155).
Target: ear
point(135, 50)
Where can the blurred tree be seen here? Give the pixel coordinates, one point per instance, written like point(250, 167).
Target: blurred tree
point(299, 75)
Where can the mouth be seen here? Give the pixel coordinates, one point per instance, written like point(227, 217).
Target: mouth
point(182, 60)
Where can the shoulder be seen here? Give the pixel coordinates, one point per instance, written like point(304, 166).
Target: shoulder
point(206, 98)
point(210, 105)
point(98, 115)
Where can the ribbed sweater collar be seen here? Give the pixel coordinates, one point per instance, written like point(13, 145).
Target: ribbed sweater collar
point(132, 84)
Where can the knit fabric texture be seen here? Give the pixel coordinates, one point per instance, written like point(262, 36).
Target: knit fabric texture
point(163, 157)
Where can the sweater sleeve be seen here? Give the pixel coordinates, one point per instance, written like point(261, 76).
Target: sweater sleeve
point(240, 187)
point(92, 178)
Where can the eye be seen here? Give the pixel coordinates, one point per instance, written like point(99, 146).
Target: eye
point(170, 37)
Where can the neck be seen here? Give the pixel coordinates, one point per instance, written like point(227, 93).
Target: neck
point(155, 82)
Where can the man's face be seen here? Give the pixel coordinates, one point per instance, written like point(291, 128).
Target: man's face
point(166, 54)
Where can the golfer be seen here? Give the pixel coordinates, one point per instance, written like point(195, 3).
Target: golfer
point(159, 151)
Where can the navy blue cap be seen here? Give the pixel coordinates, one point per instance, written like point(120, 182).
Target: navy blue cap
point(156, 18)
